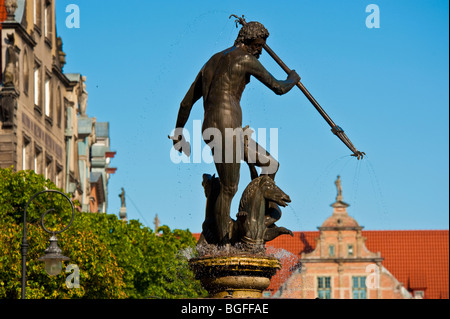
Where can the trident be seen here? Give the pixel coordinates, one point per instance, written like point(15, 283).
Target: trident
point(337, 130)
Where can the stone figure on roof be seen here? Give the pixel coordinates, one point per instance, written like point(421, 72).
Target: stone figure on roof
point(122, 197)
point(339, 197)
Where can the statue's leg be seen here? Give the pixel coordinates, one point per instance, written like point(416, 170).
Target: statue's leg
point(228, 166)
point(229, 180)
point(255, 154)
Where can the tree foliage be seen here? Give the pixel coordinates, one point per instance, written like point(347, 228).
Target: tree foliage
point(115, 259)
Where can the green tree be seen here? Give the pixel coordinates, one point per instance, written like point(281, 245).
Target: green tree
point(115, 259)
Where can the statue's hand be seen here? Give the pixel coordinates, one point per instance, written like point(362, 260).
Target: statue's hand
point(181, 145)
point(294, 77)
point(359, 155)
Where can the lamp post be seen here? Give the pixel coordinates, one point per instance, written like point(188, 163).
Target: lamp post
point(52, 257)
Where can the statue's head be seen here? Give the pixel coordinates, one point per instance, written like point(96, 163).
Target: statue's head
point(253, 35)
point(251, 31)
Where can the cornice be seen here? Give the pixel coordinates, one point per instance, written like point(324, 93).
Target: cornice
point(58, 72)
point(18, 27)
point(337, 228)
point(335, 260)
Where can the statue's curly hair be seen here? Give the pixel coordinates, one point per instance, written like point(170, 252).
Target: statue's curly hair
point(251, 31)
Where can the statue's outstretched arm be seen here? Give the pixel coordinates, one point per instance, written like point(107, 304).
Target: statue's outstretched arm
point(192, 96)
point(256, 69)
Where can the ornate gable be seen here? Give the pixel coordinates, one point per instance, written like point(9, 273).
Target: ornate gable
point(340, 237)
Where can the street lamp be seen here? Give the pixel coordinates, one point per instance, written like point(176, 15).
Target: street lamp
point(52, 258)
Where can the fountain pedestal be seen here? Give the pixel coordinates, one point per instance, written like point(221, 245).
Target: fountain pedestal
point(235, 276)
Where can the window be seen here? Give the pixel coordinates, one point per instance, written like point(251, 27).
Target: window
point(48, 174)
point(38, 160)
point(37, 13)
point(47, 97)
point(26, 154)
point(59, 107)
point(48, 20)
point(359, 287)
point(419, 294)
point(37, 86)
point(350, 250)
point(26, 73)
point(331, 250)
point(46, 25)
point(59, 176)
point(324, 287)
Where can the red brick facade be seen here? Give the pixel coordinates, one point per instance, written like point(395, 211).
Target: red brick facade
point(344, 262)
point(418, 260)
point(340, 266)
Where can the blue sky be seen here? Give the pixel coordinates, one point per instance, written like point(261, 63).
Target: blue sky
point(386, 87)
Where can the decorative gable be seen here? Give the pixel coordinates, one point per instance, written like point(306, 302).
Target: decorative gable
point(340, 238)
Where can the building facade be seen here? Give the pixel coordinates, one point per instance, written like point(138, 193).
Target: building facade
point(341, 261)
point(43, 121)
point(341, 266)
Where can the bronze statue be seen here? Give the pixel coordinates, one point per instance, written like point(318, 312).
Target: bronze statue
point(233, 261)
point(221, 83)
point(258, 212)
point(337, 130)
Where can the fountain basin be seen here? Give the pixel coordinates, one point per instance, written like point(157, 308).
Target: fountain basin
point(235, 276)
